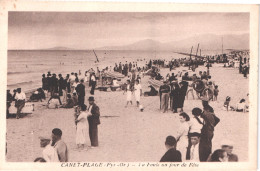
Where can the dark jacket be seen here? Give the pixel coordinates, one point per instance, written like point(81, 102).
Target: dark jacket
point(172, 155)
point(95, 114)
point(80, 89)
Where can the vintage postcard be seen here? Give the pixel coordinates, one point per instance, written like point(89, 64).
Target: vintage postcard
point(128, 86)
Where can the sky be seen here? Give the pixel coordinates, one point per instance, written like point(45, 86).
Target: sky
point(90, 30)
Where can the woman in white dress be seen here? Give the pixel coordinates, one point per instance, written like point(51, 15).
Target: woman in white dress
point(128, 93)
point(82, 130)
point(182, 135)
point(138, 92)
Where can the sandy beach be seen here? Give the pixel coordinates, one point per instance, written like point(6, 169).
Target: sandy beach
point(126, 134)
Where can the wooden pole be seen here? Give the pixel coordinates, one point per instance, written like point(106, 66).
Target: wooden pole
point(197, 49)
point(190, 56)
point(96, 56)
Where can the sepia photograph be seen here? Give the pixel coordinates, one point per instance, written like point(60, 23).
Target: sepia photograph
point(130, 87)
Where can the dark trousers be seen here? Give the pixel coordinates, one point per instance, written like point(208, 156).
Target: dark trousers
point(206, 142)
point(93, 133)
point(19, 105)
point(93, 85)
point(81, 100)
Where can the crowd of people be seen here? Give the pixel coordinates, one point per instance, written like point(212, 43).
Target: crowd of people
point(193, 140)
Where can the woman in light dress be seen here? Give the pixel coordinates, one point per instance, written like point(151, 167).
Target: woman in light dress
point(82, 130)
point(138, 92)
point(182, 135)
point(128, 91)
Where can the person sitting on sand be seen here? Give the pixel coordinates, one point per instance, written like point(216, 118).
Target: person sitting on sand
point(37, 95)
point(54, 101)
point(172, 155)
point(49, 153)
point(75, 99)
point(115, 84)
point(69, 103)
point(152, 92)
point(240, 107)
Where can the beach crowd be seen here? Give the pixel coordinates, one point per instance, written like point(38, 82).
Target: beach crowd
point(193, 139)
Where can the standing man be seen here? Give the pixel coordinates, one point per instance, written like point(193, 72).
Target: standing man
point(80, 89)
point(164, 95)
point(93, 83)
point(19, 101)
point(45, 85)
point(62, 88)
point(59, 145)
point(9, 99)
point(172, 155)
point(93, 121)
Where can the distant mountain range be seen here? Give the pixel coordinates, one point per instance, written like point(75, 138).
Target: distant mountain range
point(206, 41)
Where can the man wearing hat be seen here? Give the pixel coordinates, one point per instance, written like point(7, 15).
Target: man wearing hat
point(19, 101)
point(93, 121)
point(172, 155)
point(59, 145)
point(164, 96)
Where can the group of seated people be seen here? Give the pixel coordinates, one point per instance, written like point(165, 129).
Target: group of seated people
point(55, 101)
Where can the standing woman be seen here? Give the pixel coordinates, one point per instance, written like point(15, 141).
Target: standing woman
point(138, 92)
point(81, 122)
point(128, 91)
point(182, 135)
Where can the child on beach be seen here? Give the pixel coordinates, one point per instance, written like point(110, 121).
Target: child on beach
point(226, 103)
point(128, 91)
point(215, 97)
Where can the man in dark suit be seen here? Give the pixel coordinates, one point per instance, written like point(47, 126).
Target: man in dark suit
point(172, 155)
point(93, 121)
point(80, 89)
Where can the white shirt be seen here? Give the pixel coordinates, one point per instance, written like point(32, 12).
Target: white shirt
point(72, 77)
point(138, 87)
point(195, 126)
point(194, 153)
point(20, 96)
point(93, 78)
